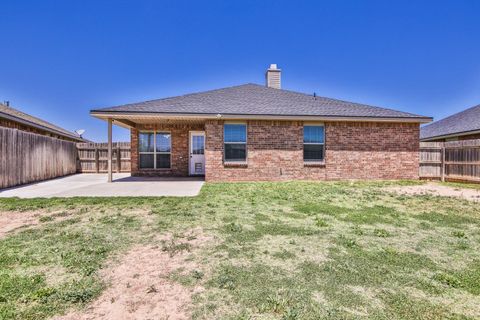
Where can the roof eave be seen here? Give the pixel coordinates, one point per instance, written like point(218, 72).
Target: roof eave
point(156, 115)
point(35, 125)
point(451, 135)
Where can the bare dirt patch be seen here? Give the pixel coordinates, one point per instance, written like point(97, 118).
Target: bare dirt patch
point(10, 221)
point(438, 190)
point(139, 284)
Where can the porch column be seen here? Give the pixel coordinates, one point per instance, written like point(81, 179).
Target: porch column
point(109, 150)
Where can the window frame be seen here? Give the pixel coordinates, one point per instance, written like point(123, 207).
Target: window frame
point(243, 143)
point(155, 152)
point(314, 143)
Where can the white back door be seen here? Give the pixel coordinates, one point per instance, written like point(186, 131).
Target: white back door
point(197, 153)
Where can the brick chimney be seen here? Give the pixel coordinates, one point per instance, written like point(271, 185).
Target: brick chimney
point(273, 77)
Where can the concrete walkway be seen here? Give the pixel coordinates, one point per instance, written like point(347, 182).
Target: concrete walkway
point(96, 185)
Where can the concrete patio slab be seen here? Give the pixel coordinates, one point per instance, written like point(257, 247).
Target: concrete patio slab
point(96, 185)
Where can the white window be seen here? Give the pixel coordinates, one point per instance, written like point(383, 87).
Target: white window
point(154, 150)
point(313, 143)
point(235, 142)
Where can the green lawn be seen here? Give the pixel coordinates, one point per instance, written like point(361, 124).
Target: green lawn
point(294, 250)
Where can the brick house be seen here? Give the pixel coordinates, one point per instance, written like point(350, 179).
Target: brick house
point(16, 119)
point(463, 125)
point(254, 132)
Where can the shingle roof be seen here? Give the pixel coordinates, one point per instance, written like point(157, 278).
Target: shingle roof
point(465, 121)
point(253, 99)
point(19, 116)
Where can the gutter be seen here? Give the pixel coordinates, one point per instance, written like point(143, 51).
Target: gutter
point(155, 115)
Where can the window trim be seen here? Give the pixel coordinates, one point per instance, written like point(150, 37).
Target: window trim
point(155, 132)
point(245, 143)
point(313, 161)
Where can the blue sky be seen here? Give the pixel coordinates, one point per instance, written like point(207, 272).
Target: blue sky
point(59, 59)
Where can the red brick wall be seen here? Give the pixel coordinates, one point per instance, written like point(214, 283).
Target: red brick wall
point(274, 152)
point(180, 152)
point(354, 150)
point(369, 150)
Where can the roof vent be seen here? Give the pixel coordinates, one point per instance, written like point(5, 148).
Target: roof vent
point(273, 77)
point(6, 103)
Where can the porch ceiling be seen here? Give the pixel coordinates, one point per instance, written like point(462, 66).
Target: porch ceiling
point(129, 121)
point(166, 120)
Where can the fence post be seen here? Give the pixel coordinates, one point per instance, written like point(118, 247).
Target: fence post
point(97, 167)
point(443, 163)
point(109, 160)
point(119, 158)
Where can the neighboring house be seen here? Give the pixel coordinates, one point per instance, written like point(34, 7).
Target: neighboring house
point(464, 125)
point(32, 149)
point(253, 132)
point(13, 118)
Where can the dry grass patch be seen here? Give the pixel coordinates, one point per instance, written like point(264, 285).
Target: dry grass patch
point(437, 189)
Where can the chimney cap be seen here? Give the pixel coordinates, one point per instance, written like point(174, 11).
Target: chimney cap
point(273, 66)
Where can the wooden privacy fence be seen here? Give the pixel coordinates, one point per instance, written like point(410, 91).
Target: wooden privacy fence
point(93, 157)
point(453, 160)
point(27, 157)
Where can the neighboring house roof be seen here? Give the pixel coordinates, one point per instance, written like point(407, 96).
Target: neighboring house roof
point(257, 100)
point(15, 115)
point(462, 123)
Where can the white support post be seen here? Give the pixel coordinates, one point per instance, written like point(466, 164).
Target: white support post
point(109, 150)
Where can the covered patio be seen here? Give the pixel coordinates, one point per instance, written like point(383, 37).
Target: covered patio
point(96, 185)
point(161, 145)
